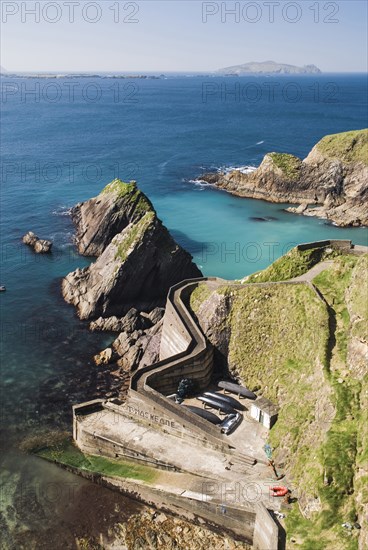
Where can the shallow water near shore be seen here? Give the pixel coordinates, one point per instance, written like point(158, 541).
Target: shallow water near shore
point(55, 154)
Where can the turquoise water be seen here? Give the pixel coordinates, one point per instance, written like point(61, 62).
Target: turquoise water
point(163, 133)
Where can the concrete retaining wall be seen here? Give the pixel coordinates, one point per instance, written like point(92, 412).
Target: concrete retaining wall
point(175, 337)
point(266, 532)
point(339, 244)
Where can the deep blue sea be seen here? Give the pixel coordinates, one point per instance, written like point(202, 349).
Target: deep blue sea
point(63, 139)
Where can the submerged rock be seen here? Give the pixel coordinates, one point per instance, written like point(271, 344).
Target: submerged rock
point(41, 246)
point(138, 264)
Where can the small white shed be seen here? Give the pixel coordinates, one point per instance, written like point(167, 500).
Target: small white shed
point(264, 411)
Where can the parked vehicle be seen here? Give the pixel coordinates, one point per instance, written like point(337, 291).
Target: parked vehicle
point(231, 422)
point(238, 390)
point(226, 399)
point(214, 404)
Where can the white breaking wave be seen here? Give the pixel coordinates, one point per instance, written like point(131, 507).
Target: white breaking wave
point(62, 211)
point(201, 184)
point(259, 142)
point(243, 169)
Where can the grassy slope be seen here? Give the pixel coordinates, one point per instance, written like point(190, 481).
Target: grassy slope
point(346, 146)
point(131, 192)
point(132, 235)
point(288, 164)
point(358, 295)
point(198, 296)
point(266, 322)
point(337, 452)
point(278, 343)
point(293, 264)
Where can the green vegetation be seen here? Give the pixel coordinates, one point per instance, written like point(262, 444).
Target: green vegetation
point(66, 453)
point(198, 296)
point(294, 263)
point(288, 164)
point(333, 284)
point(345, 441)
point(346, 146)
point(120, 187)
point(266, 323)
point(358, 299)
point(131, 192)
point(132, 235)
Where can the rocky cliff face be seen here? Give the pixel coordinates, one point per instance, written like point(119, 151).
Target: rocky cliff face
point(138, 260)
point(332, 182)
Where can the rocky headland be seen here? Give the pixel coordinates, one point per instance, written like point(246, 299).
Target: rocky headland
point(331, 182)
point(125, 288)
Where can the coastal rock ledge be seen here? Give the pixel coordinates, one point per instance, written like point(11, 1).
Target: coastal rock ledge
point(331, 183)
point(138, 260)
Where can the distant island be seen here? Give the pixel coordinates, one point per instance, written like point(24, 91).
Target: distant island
point(81, 75)
point(268, 67)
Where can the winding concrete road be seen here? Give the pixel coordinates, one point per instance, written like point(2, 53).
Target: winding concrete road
point(313, 272)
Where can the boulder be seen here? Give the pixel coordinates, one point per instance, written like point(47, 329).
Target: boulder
point(156, 315)
point(104, 357)
point(41, 246)
point(30, 238)
point(134, 349)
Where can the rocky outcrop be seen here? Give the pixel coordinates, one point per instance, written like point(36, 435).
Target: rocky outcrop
point(137, 265)
point(99, 219)
point(40, 246)
point(332, 182)
point(137, 345)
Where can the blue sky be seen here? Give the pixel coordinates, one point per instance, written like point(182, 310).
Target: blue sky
point(175, 35)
